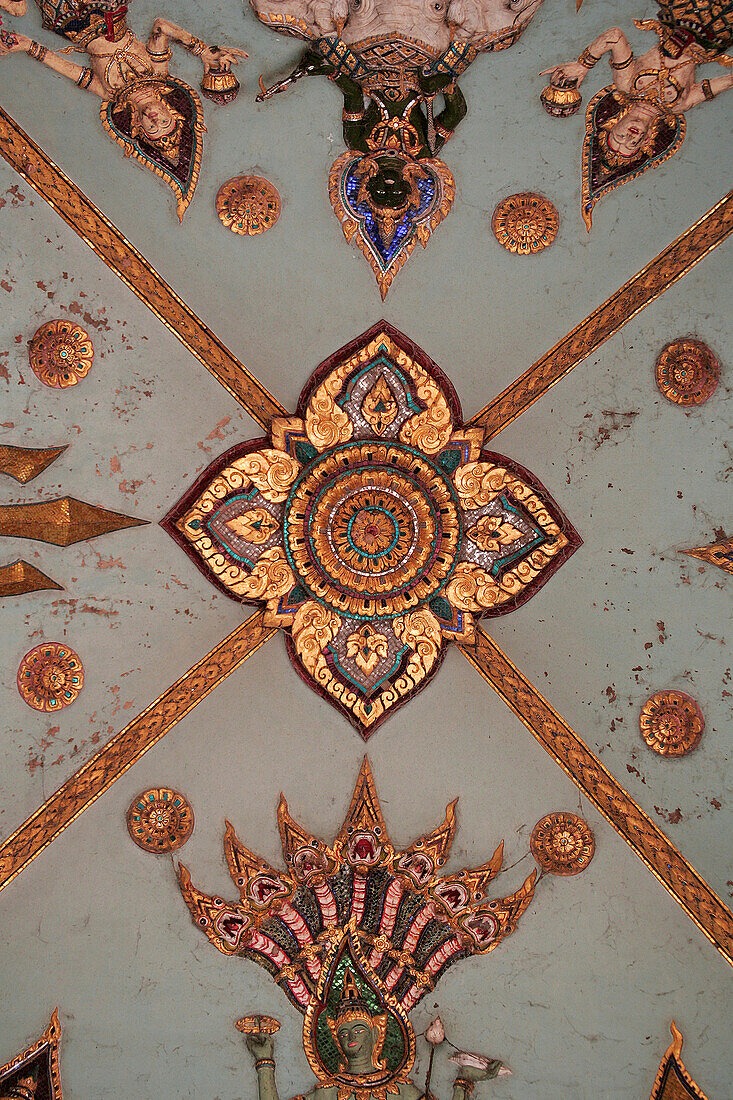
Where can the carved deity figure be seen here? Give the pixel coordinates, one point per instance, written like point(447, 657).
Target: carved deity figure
point(360, 1036)
point(396, 63)
point(638, 121)
point(154, 116)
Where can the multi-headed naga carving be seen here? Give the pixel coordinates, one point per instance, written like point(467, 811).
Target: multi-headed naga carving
point(357, 920)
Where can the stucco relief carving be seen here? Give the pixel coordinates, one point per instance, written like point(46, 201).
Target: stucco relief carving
point(155, 117)
point(397, 65)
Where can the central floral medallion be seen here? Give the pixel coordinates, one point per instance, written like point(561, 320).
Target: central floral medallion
point(372, 529)
point(373, 526)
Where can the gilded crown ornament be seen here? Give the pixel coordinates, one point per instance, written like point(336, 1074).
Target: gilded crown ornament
point(373, 526)
point(356, 933)
point(248, 205)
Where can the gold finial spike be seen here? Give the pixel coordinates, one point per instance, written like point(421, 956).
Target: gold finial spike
point(292, 835)
point(25, 463)
point(364, 813)
point(61, 522)
point(717, 553)
point(19, 577)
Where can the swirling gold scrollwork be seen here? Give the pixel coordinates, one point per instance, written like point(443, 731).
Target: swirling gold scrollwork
point(314, 627)
point(327, 424)
point(270, 578)
point(272, 472)
point(430, 429)
point(471, 588)
point(421, 631)
point(478, 483)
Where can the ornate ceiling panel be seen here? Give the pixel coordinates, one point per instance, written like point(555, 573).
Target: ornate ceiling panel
point(163, 385)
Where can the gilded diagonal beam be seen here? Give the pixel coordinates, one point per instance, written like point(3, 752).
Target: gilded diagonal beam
point(131, 266)
point(127, 746)
point(645, 287)
point(596, 782)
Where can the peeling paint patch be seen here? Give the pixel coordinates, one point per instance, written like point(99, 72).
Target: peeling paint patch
point(673, 817)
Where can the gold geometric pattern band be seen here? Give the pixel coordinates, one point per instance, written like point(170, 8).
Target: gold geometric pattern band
point(646, 286)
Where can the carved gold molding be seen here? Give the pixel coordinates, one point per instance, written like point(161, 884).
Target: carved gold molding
point(124, 259)
point(608, 796)
point(645, 287)
point(127, 746)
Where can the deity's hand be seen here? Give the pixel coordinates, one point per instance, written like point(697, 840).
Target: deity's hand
point(221, 60)
point(571, 73)
point(260, 1045)
point(485, 1073)
point(12, 42)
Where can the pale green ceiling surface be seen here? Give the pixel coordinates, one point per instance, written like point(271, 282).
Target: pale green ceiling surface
point(579, 1000)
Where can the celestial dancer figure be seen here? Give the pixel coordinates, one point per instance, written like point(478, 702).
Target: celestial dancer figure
point(639, 121)
point(155, 117)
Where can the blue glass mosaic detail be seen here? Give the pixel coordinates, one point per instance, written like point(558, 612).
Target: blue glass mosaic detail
point(405, 227)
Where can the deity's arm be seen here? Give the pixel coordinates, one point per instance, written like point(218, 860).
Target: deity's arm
point(706, 89)
point(358, 119)
point(212, 57)
point(266, 1084)
point(13, 7)
point(612, 41)
point(453, 112)
point(11, 42)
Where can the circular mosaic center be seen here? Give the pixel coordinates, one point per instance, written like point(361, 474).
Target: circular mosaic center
point(671, 723)
point(160, 820)
point(562, 843)
point(53, 678)
point(372, 530)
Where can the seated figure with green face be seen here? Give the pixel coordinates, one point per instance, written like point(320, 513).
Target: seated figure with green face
point(359, 1035)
